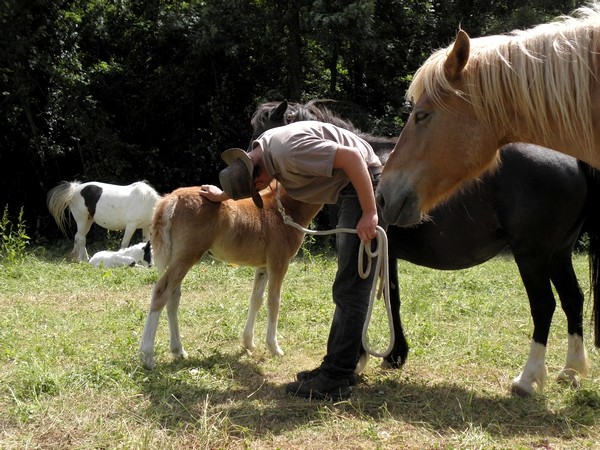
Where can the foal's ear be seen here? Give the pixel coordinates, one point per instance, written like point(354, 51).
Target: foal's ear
point(458, 56)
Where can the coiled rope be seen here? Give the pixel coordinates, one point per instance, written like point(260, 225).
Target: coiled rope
point(381, 272)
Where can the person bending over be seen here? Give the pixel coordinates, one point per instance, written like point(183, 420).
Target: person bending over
point(318, 162)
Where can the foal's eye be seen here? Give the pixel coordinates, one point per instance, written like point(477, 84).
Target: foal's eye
point(420, 116)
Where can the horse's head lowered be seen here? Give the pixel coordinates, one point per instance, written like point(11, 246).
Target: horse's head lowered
point(479, 94)
point(434, 153)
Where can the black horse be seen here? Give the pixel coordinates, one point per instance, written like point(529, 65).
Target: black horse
point(537, 203)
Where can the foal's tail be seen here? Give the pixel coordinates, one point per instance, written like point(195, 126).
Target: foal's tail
point(160, 232)
point(592, 227)
point(58, 200)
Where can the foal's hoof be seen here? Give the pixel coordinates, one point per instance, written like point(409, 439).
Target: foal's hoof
point(179, 355)
point(147, 361)
point(276, 351)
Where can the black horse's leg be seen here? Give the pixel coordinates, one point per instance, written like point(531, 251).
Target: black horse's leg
point(399, 353)
point(535, 276)
point(571, 299)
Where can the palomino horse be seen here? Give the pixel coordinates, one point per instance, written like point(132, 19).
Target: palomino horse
point(540, 86)
point(535, 203)
point(111, 206)
point(187, 225)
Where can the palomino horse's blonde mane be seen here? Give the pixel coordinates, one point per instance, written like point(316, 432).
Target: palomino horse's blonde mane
point(544, 74)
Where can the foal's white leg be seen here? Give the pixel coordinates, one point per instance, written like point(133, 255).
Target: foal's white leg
point(256, 299)
point(127, 235)
point(577, 364)
point(276, 275)
point(534, 372)
point(147, 343)
point(175, 338)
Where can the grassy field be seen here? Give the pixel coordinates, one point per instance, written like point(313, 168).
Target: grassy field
point(70, 378)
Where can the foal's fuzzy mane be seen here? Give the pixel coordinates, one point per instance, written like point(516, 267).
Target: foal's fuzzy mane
point(543, 73)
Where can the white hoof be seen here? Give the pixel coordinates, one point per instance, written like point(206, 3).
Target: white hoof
point(248, 344)
point(275, 349)
point(522, 389)
point(569, 377)
point(179, 354)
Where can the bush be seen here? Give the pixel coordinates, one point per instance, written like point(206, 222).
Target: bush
point(14, 238)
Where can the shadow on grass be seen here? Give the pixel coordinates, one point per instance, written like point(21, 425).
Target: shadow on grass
point(233, 388)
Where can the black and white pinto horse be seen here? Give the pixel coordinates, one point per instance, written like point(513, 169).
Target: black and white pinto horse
point(537, 203)
point(111, 206)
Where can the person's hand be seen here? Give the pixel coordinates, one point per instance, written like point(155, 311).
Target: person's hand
point(366, 228)
point(213, 193)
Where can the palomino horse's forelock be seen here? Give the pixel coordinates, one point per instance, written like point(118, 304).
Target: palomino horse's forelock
point(543, 73)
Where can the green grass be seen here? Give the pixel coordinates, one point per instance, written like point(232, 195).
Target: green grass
point(70, 378)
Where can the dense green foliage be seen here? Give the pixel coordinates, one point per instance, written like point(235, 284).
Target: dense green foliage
point(122, 90)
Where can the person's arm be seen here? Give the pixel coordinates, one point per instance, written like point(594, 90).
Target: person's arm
point(213, 193)
point(350, 160)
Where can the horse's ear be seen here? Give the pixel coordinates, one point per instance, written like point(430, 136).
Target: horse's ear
point(458, 56)
point(279, 111)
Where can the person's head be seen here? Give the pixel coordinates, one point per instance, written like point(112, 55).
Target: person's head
point(242, 178)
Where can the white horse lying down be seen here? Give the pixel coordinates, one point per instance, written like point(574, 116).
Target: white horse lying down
point(187, 225)
point(139, 254)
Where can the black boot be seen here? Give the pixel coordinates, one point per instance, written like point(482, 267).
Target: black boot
point(306, 375)
point(321, 387)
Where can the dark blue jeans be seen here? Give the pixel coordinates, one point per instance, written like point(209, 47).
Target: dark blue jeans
point(350, 293)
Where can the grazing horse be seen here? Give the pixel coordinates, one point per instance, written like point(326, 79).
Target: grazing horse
point(111, 206)
point(540, 86)
point(536, 203)
point(187, 225)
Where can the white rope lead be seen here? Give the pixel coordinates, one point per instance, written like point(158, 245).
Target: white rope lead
point(381, 273)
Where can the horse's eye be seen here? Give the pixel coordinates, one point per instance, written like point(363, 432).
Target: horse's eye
point(420, 116)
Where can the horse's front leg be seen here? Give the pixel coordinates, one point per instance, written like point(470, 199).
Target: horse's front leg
point(256, 299)
point(542, 304)
point(276, 274)
point(577, 364)
point(571, 299)
point(128, 234)
point(399, 353)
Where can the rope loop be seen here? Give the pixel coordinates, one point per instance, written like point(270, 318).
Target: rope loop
point(382, 274)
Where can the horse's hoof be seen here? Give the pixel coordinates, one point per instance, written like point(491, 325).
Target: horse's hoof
point(276, 351)
point(569, 377)
point(391, 365)
point(147, 361)
point(179, 355)
point(248, 344)
point(520, 388)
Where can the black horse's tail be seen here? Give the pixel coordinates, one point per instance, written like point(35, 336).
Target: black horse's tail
point(592, 228)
